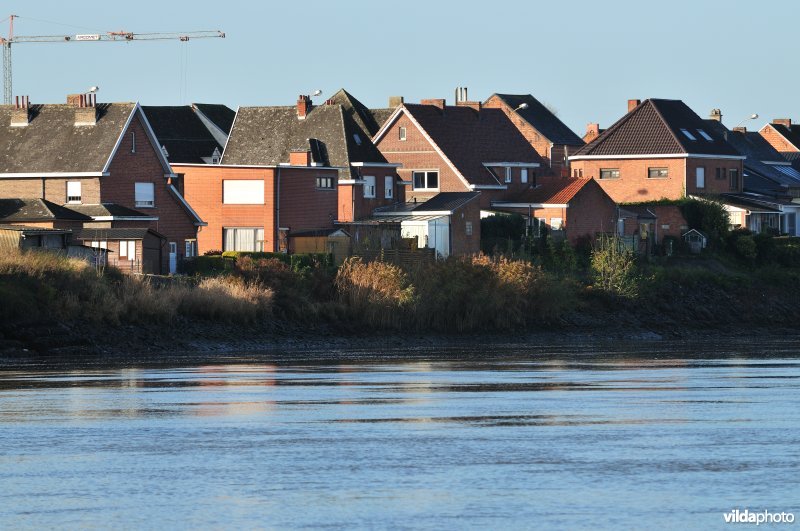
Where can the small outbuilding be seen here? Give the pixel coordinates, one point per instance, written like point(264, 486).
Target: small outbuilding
point(696, 240)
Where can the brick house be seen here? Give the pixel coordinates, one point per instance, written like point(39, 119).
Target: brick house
point(193, 134)
point(548, 135)
point(457, 148)
point(571, 208)
point(784, 136)
point(289, 170)
point(660, 149)
point(102, 162)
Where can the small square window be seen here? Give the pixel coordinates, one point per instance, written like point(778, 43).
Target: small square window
point(145, 194)
point(325, 183)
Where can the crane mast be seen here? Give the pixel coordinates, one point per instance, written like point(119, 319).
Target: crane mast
point(110, 36)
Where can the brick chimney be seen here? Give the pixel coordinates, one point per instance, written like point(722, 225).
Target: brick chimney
point(300, 157)
point(786, 122)
point(395, 101)
point(716, 114)
point(438, 102)
point(303, 106)
point(632, 104)
point(85, 108)
point(740, 129)
point(592, 132)
point(20, 115)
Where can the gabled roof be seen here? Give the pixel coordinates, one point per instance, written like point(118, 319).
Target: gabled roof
point(656, 127)
point(364, 117)
point(35, 209)
point(791, 134)
point(555, 192)
point(182, 132)
point(541, 118)
point(381, 115)
point(220, 115)
point(469, 138)
point(266, 135)
point(51, 143)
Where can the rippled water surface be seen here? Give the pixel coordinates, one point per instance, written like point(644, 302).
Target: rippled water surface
point(521, 440)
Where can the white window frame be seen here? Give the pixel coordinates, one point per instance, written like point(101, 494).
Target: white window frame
point(369, 186)
point(322, 179)
point(700, 177)
point(402, 133)
point(72, 197)
point(127, 249)
point(523, 175)
point(388, 187)
point(258, 243)
point(139, 193)
point(556, 222)
point(427, 173)
point(509, 175)
point(190, 248)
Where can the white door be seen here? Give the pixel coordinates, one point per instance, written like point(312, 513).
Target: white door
point(173, 257)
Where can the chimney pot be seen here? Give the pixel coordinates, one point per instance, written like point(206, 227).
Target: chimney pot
point(786, 122)
point(395, 101)
point(740, 129)
point(632, 104)
point(20, 114)
point(436, 102)
point(716, 114)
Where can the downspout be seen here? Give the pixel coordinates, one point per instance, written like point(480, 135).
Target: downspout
point(277, 228)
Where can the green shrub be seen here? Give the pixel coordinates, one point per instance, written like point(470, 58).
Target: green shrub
point(614, 268)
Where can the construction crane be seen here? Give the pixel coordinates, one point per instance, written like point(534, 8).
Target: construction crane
point(110, 36)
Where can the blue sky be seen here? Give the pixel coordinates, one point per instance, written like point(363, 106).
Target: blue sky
point(582, 58)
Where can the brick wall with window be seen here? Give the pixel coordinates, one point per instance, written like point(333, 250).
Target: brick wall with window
point(352, 204)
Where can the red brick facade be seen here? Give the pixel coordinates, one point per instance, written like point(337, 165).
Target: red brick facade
point(634, 184)
point(353, 203)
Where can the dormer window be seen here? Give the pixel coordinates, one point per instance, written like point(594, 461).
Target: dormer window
point(688, 135)
point(215, 156)
point(705, 135)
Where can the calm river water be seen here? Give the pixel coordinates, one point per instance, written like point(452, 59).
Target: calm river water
point(570, 438)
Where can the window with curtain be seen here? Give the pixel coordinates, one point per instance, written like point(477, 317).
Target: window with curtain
point(243, 239)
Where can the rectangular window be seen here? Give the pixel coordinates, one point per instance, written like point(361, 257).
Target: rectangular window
point(469, 228)
point(73, 192)
point(657, 173)
point(100, 244)
point(402, 133)
point(735, 218)
point(325, 183)
point(733, 179)
point(705, 135)
point(508, 175)
point(556, 223)
point(700, 177)
point(426, 180)
point(250, 192)
point(369, 186)
point(243, 239)
point(688, 135)
point(127, 249)
point(720, 173)
point(523, 175)
point(145, 194)
point(609, 173)
point(388, 187)
point(191, 248)
point(541, 225)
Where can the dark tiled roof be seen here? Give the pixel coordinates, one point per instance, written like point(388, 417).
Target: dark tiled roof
point(556, 192)
point(381, 115)
point(470, 138)
point(181, 131)
point(441, 202)
point(655, 128)
point(51, 142)
point(221, 115)
point(792, 134)
point(114, 234)
point(541, 118)
point(266, 136)
point(108, 209)
point(37, 230)
point(353, 108)
point(753, 202)
point(34, 209)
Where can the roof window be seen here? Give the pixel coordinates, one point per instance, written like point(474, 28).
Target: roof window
point(357, 138)
point(705, 135)
point(689, 135)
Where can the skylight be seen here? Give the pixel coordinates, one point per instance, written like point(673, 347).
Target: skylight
point(689, 135)
point(357, 138)
point(705, 135)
